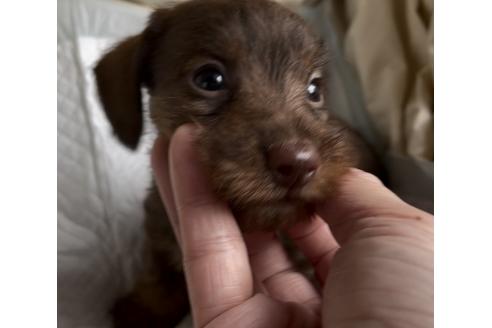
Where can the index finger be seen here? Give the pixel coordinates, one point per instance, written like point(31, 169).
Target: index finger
point(215, 258)
point(315, 241)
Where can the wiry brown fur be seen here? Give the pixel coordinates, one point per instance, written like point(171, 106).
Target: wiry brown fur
point(268, 55)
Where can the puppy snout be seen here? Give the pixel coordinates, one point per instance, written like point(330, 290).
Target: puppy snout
point(293, 163)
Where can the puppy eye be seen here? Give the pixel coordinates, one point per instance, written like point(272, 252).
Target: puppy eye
point(209, 78)
point(314, 90)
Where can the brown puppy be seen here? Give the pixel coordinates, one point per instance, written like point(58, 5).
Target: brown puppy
point(252, 75)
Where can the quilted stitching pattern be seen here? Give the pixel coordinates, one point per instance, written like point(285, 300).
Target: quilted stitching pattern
point(101, 185)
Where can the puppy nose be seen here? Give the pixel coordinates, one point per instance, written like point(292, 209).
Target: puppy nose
point(293, 163)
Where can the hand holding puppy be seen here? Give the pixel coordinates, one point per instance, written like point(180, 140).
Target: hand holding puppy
point(375, 265)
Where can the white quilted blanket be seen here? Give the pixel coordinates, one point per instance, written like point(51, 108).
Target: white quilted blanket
point(100, 184)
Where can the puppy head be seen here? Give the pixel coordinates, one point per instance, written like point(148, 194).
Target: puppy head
point(251, 74)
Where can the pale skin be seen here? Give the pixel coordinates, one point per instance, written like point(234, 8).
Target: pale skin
point(372, 253)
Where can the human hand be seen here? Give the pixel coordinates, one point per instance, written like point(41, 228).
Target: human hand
point(381, 274)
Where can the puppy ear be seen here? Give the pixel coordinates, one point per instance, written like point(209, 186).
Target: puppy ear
point(118, 77)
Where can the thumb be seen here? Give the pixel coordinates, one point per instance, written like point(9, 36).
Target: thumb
point(362, 201)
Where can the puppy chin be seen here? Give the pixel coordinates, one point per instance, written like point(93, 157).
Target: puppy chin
point(270, 217)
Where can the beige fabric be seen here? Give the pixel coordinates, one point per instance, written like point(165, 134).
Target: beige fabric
point(390, 45)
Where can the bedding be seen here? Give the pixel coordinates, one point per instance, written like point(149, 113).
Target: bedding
point(101, 185)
